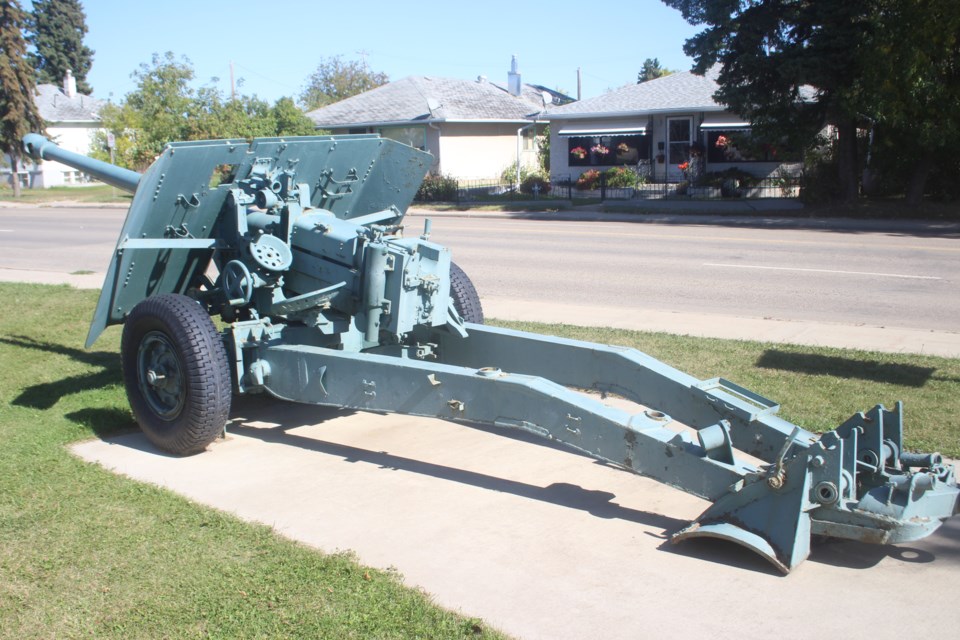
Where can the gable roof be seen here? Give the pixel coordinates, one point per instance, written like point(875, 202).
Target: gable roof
point(682, 91)
point(423, 99)
point(55, 106)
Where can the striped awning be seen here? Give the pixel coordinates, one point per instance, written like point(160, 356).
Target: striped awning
point(571, 130)
point(723, 121)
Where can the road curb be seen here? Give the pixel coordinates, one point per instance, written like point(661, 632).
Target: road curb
point(921, 227)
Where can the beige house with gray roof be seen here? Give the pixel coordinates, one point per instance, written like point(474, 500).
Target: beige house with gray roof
point(656, 126)
point(474, 128)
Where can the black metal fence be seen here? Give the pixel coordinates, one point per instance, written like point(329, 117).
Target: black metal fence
point(570, 188)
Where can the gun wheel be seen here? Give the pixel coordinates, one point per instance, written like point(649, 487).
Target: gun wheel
point(466, 300)
point(176, 373)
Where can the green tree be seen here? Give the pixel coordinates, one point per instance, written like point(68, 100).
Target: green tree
point(770, 51)
point(291, 121)
point(651, 70)
point(165, 108)
point(912, 91)
point(335, 80)
point(18, 111)
point(56, 29)
point(156, 113)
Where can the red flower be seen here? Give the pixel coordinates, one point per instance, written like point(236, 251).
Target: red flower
point(683, 166)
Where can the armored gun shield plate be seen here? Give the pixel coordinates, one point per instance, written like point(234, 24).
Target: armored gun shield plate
point(171, 230)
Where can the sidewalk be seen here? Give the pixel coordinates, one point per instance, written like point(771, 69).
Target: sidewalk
point(728, 327)
point(770, 214)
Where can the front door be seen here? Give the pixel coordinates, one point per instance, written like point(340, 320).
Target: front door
point(679, 138)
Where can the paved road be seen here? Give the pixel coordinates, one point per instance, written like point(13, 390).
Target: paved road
point(63, 240)
point(878, 286)
point(848, 277)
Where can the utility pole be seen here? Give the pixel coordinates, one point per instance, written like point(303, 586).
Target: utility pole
point(233, 85)
point(579, 78)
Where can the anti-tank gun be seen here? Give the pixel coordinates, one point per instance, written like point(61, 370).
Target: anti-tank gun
point(298, 245)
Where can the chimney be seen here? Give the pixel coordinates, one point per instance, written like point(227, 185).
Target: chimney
point(70, 84)
point(513, 78)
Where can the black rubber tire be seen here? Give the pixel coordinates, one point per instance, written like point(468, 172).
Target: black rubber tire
point(466, 300)
point(187, 406)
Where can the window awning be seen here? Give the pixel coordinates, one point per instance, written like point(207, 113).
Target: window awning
point(602, 131)
point(723, 121)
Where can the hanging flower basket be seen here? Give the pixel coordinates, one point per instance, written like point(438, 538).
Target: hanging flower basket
point(579, 153)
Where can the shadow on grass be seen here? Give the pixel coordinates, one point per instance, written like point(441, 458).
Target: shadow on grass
point(105, 359)
point(104, 422)
point(899, 374)
point(45, 395)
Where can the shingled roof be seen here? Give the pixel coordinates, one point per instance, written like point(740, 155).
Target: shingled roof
point(682, 91)
point(424, 99)
point(55, 106)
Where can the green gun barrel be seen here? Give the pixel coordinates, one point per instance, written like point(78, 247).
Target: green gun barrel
point(39, 148)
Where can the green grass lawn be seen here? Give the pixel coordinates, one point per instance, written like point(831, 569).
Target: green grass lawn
point(87, 553)
point(98, 193)
point(817, 387)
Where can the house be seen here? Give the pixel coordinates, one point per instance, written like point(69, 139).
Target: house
point(474, 129)
point(71, 120)
point(657, 126)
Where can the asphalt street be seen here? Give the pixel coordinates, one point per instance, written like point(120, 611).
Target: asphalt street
point(887, 286)
point(855, 277)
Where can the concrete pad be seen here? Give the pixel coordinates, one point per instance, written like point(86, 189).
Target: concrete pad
point(537, 541)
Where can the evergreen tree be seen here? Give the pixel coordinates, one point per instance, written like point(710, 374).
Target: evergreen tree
point(770, 51)
point(56, 30)
point(912, 95)
point(652, 70)
point(18, 111)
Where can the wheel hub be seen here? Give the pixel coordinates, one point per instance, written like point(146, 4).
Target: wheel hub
point(160, 375)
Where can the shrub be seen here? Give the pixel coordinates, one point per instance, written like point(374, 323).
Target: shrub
point(528, 183)
point(436, 188)
point(509, 175)
point(620, 177)
point(717, 178)
point(821, 179)
point(588, 180)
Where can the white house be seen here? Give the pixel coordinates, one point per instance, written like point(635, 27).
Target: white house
point(657, 126)
point(71, 120)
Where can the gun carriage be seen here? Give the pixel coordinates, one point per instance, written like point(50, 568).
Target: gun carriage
point(297, 245)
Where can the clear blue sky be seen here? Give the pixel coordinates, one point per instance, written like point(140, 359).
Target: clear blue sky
point(276, 44)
